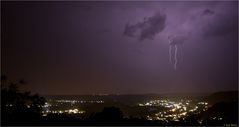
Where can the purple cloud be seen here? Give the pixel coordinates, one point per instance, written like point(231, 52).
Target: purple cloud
point(148, 28)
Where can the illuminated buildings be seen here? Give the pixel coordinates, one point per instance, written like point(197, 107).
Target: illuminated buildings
point(66, 106)
point(163, 110)
point(175, 109)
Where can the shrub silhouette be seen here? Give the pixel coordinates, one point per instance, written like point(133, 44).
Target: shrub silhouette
point(108, 115)
point(19, 107)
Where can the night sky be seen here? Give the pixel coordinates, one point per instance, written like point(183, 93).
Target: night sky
point(120, 47)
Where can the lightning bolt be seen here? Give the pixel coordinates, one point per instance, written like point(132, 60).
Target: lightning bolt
point(170, 53)
point(175, 57)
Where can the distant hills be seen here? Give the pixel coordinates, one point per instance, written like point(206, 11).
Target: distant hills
point(224, 96)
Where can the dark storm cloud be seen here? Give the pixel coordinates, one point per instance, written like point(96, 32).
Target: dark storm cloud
point(148, 28)
point(221, 26)
point(208, 12)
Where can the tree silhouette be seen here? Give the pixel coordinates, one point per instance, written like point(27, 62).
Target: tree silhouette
point(18, 106)
point(108, 116)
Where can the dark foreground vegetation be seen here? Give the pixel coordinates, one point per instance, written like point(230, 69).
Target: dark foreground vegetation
point(24, 108)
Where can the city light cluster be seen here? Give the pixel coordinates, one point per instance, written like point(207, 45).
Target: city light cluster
point(79, 101)
point(176, 110)
point(46, 105)
point(69, 111)
point(58, 106)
